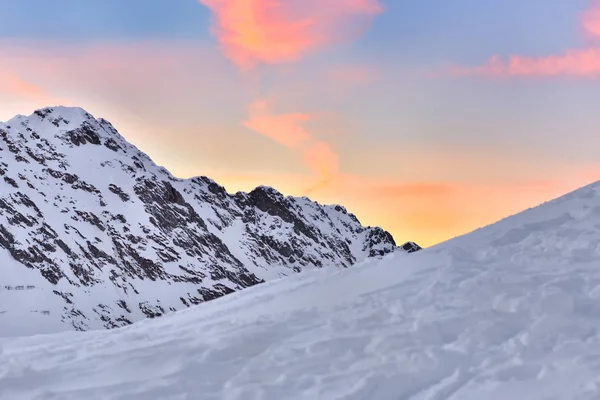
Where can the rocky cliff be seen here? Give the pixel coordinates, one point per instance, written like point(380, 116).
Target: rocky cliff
point(102, 236)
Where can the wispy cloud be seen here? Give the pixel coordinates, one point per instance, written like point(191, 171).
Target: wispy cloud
point(582, 62)
point(18, 94)
point(123, 76)
point(285, 129)
point(254, 32)
point(251, 32)
point(572, 62)
point(590, 19)
point(289, 131)
point(13, 85)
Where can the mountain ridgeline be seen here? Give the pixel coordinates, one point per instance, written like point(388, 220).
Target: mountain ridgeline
point(102, 236)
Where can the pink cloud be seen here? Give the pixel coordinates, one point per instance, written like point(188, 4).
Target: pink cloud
point(19, 95)
point(132, 77)
point(13, 85)
point(572, 62)
point(274, 31)
point(590, 19)
point(253, 32)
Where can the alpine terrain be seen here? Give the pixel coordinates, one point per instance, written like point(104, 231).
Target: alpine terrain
point(511, 311)
point(93, 234)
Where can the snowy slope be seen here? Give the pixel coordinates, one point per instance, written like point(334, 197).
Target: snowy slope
point(94, 234)
point(511, 311)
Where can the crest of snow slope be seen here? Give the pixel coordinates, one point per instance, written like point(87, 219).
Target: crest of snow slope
point(93, 234)
point(511, 311)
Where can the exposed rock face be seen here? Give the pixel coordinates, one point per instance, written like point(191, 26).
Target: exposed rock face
point(411, 247)
point(107, 237)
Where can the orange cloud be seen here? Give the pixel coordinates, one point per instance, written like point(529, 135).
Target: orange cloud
point(322, 160)
point(252, 32)
point(285, 129)
point(288, 130)
point(274, 31)
point(573, 62)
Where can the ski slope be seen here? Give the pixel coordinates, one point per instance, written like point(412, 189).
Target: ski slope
point(511, 311)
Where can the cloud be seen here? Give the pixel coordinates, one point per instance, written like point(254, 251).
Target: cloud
point(288, 130)
point(584, 62)
point(571, 63)
point(254, 32)
point(285, 129)
point(13, 85)
point(322, 160)
point(122, 77)
point(18, 94)
point(590, 19)
point(274, 31)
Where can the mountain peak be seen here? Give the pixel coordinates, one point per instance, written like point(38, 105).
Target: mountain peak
point(65, 112)
point(268, 191)
point(73, 116)
point(107, 237)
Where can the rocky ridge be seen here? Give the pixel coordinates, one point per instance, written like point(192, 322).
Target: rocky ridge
point(103, 236)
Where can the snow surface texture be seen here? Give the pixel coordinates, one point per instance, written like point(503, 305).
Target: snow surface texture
point(511, 311)
point(94, 234)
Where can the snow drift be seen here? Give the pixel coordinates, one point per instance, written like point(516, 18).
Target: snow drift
point(509, 311)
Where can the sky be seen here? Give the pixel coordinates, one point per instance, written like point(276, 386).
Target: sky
point(427, 118)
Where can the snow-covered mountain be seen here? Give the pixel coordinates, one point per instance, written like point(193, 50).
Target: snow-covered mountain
point(94, 234)
point(511, 311)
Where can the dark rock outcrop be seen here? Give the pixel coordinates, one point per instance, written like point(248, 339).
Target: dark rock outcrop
point(117, 238)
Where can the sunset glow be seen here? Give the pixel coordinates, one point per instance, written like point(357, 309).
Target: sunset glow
point(426, 126)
